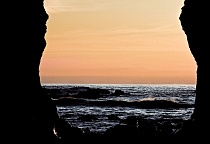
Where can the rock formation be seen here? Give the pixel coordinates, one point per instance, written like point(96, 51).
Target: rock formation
point(28, 114)
point(195, 23)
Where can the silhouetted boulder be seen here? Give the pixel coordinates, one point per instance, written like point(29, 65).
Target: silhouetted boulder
point(68, 134)
point(93, 93)
point(118, 92)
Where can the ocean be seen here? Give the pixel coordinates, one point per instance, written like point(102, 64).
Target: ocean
point(94, 110)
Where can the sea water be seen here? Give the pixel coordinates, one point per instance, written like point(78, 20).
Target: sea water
point(181, 94)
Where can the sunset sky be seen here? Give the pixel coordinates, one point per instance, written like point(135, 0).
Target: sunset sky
point(116, 42)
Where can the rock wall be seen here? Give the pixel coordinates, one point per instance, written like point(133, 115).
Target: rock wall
point(195, 23)
point(28, 114)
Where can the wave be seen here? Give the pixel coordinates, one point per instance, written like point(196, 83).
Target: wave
point(148, 104)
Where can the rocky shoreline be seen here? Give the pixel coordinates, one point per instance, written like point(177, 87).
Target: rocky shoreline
point(135, 129)
point(132, 129)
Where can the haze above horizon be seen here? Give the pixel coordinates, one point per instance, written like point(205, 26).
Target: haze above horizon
point(116, 42)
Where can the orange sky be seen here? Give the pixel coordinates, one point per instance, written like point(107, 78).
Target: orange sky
point(116, 42)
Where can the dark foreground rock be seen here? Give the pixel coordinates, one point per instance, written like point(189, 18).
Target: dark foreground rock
point(28, 115)
point(150, 131)
point(31, 116)
point(195, 24)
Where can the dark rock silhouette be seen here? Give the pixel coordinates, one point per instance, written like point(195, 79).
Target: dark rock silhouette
point(30, 116)
point(118, 92)
point(194, 20)
point(93, 93)
point(195, 23)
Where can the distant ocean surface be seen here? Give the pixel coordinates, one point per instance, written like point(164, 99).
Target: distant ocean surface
point(132, 93)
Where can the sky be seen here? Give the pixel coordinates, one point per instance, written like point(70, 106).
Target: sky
point(116, 42)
